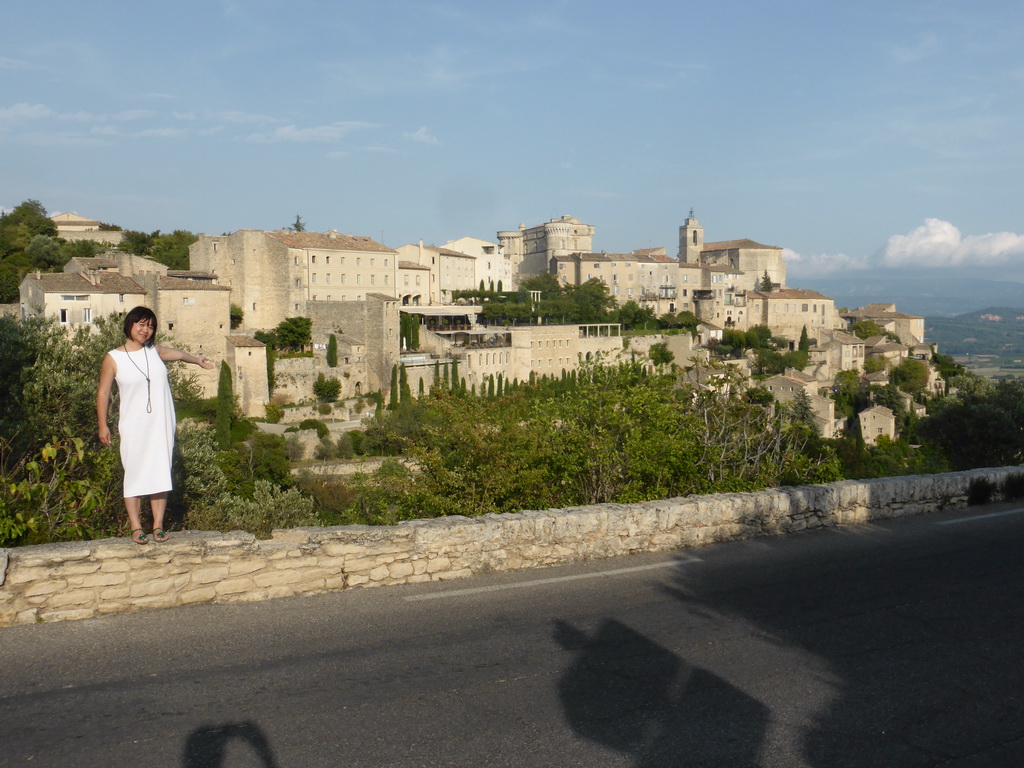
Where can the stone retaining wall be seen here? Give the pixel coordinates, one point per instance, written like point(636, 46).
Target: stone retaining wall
point(82, 579)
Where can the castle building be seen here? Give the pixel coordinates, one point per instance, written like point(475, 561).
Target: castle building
point(531, 250)
point(274, 275)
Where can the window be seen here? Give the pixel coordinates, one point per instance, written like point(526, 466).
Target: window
point(188, 301)
point(327, 259)
point(328, 277)
point(373, 279)
point(313, 258)
point(805, 308)
point(385, 262)
point(359, 279)
point(312, 278)
point(87, 315)
point(170, 326)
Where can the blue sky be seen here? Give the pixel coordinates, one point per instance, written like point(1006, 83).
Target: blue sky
point(854, 134)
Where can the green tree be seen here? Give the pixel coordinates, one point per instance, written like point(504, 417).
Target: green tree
point(865, 329)
point(299, 225)
point(632, 315)
point(332, 351)
point(404, 391)
point(45, 252)
point(805, 341)
point(294, 333)
point(225, 408)
point(325, 389)
point(20, 225)
point(237, 314)
point(766, 283)
point(455, 375)
point(393, 397)
point(911, 376)
point(661, 355)
point(982, 425)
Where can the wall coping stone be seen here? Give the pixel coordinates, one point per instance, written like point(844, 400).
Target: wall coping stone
point(47, 582)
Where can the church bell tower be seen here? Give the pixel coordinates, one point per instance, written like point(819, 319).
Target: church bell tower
point(691, 240)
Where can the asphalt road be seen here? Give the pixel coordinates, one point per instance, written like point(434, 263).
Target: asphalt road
point(891, 644)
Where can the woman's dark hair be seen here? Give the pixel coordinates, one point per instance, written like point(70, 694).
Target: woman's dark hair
point(140, 314)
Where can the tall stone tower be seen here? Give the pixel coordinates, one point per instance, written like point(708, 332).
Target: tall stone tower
point(691, 240)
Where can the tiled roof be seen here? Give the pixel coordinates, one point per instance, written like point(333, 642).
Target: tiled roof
point(189, 273)
point(789, 293)
point(244, 341)
point(328, 241)
point(95, 262)
point(76, 282)
point(412, 265)
point(731, 245)
point(179, 284)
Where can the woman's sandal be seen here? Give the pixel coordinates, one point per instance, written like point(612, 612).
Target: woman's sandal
point(142, 538)
point(159, 536)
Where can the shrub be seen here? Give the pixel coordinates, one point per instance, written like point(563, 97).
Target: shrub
point(296, 450)
point(980, 491)
point(1013, 487)
point(321, 429)
point(324, 408)
point(269, 508)
point(357, 441)
point(325, 450)
point(326, 389)
point(344, 446)
point(274, 412)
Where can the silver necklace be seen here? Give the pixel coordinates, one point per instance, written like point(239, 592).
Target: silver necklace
point(149, 394)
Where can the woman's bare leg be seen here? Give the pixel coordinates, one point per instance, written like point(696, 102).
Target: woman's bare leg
point(134, 506)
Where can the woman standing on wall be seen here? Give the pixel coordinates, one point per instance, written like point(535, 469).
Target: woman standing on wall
point(145, 419)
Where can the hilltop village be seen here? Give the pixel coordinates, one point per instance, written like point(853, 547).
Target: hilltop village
point(361, 297)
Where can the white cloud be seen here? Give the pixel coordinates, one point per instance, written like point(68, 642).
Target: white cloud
point(25, 111)
point(938, 243)
point(423, 136)
point(323, 133)
point(824, 263)
point(243, 117)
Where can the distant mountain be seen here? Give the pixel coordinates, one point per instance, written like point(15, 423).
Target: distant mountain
point(990, 331)
point(919, 293)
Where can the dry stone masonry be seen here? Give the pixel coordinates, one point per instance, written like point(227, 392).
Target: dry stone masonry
point(84, 579)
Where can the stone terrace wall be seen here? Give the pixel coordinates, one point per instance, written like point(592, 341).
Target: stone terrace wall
point(83, 579)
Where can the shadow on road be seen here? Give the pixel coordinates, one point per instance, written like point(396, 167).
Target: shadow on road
point(207, 745)
point(630, 694)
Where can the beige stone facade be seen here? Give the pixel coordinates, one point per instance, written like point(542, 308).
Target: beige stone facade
point(531, 250)
point(72, 227)
point(78, 298)
point(908, 328)
point(492, 265)
point(788, 311)
point(247, 359)
point(274, 275)
point(877, 422)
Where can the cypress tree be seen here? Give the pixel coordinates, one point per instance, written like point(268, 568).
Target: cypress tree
point(455, 376)
point(490, 386)
point(421, 386)
point(332, 351)
point(437, 374)
point(501, 385)
point(225, 405)
point(393, 399)
point(404, 391)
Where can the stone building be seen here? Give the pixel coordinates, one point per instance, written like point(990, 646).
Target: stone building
point(909, 328)
point(876, 422)
point(789, 310)
point(531, 250)
point(78, 298)
point(492, 265)
point(749, 259)
point(71, 227)
point(274, 275)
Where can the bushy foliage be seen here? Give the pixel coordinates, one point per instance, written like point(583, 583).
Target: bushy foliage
point(982, 425)
point(268, 508)
point(325, 389)
point(321, 429)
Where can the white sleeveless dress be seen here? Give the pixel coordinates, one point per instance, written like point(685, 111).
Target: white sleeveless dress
point(145, 421)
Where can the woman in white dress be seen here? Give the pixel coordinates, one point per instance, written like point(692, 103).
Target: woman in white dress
point(145, 419)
